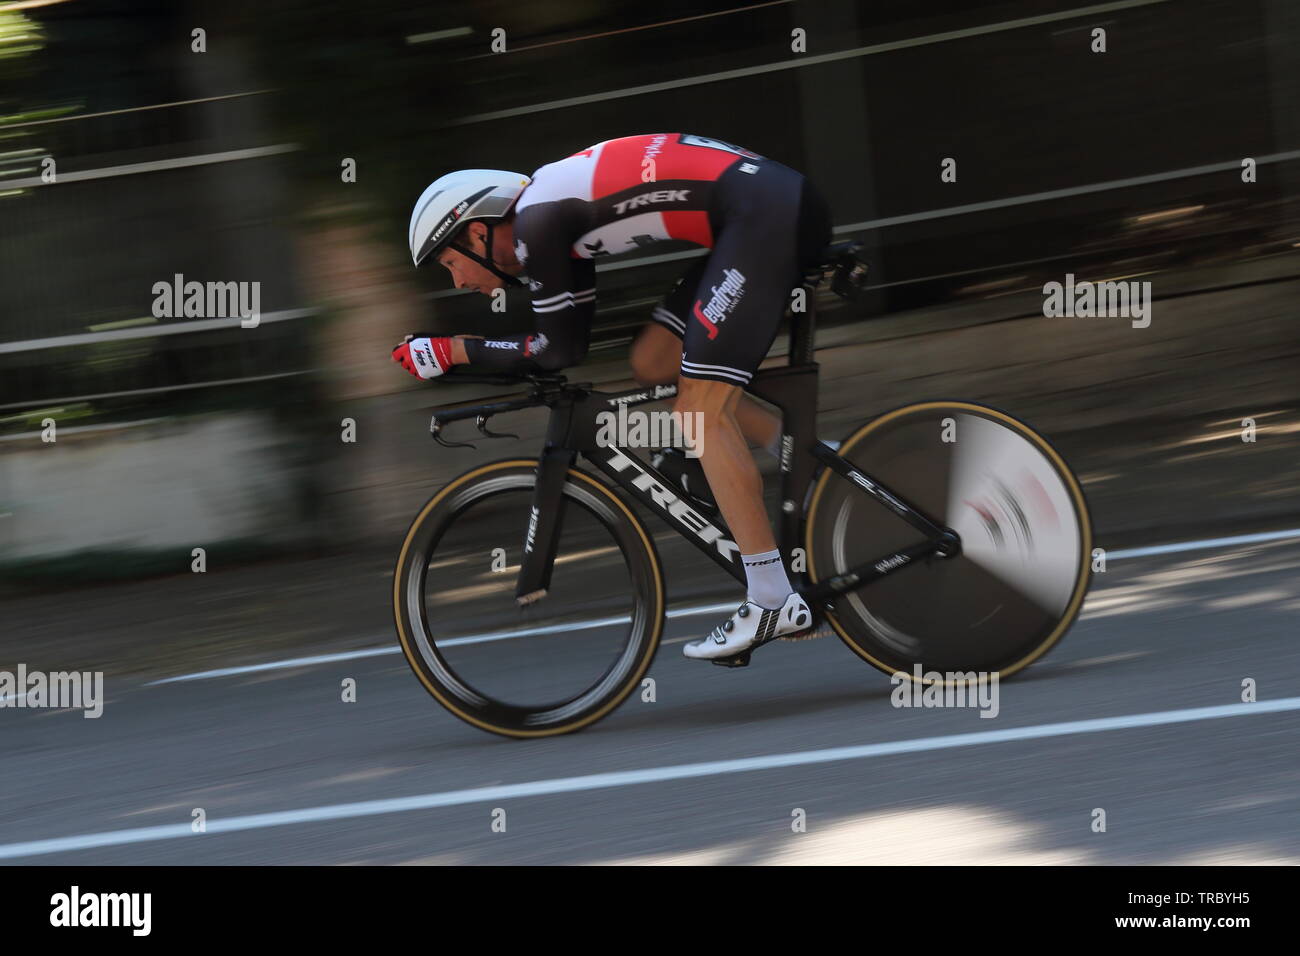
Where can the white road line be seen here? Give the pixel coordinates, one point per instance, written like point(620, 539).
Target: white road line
point(1203, 544)
point(279, 665)
point(626, 30)
point(805, 61)
point(627, 778)
point(698, 610)
point(453, 642)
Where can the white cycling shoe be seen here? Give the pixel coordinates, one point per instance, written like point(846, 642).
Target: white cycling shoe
point(751, 625)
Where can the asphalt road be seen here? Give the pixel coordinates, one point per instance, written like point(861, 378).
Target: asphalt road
point(385, 779)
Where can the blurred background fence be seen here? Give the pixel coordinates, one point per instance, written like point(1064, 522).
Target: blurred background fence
point(226, 165)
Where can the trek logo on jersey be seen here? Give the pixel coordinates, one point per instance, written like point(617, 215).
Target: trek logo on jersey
point(726, 297)
point(645, 199)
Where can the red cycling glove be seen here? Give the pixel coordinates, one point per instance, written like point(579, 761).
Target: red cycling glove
point(424, 357)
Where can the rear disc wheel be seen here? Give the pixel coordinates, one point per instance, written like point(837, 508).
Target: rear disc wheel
point(1023, 571)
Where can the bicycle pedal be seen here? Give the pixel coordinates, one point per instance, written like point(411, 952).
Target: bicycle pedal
point(736, 660)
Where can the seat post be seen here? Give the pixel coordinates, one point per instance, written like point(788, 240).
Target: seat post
point(803, 325)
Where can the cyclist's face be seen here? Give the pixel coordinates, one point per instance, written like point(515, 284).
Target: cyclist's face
point(468, 274)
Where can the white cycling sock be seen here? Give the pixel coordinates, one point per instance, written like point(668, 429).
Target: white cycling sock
point(766, 578)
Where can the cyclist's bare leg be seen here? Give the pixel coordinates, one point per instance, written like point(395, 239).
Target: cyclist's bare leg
point(656, 360)
point(730, 469)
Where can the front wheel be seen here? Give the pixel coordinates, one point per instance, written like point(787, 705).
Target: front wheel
point(558, 663)
point(1026, 541)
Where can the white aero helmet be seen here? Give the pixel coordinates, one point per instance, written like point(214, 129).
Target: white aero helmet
point(458, 198)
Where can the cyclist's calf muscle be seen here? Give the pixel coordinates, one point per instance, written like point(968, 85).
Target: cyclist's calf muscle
point(727, 463)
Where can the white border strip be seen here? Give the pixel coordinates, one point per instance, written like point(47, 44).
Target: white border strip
point(628, 778)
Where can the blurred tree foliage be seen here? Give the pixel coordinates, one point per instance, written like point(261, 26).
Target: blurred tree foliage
point(348, 86)
point(377, 82)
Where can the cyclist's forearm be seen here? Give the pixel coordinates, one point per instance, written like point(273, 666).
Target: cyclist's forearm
point(525, 353)
point(466, 350)
point(505, 353)
point(458, 356)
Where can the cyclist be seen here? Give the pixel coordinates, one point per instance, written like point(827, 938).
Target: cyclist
point(763, 222)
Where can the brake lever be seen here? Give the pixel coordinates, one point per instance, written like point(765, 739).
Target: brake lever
point(435, 430)
point(481, 422)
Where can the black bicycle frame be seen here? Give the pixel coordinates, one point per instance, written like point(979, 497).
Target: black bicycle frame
point(574, 428)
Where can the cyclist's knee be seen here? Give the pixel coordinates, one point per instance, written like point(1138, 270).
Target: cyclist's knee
point(656, 356)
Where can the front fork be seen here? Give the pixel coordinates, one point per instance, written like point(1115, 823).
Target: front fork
point(545, 518)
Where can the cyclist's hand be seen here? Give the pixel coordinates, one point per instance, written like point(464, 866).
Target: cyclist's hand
point(424, 357)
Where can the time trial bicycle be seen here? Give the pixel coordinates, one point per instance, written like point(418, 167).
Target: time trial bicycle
point(941, 538)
